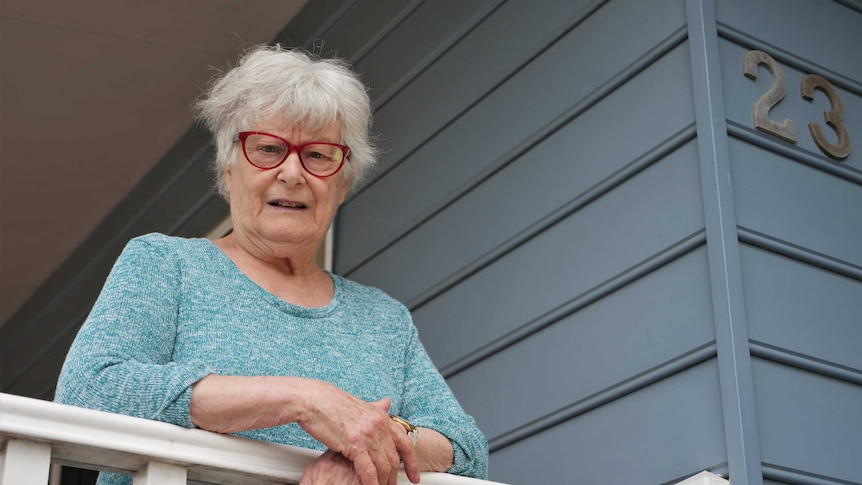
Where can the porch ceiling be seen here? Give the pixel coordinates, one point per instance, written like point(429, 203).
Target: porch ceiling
point(92, 95)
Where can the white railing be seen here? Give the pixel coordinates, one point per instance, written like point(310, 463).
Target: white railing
point(34, 434)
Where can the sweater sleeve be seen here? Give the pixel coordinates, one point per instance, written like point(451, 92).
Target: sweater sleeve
point(429, 403)
point(121, 359)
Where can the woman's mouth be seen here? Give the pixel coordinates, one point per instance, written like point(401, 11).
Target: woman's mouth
point(287, 204)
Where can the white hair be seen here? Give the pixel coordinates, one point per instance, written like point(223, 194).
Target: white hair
point(271, 82)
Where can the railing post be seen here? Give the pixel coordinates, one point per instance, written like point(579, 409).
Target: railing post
point(25, 463)
point(705, 478)
point(156, 473)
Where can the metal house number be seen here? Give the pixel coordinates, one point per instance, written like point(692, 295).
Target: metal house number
point(786, 129)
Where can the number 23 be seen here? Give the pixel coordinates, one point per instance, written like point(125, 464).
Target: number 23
point(786, 130)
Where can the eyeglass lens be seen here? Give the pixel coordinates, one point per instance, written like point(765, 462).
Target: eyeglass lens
point(266, 151)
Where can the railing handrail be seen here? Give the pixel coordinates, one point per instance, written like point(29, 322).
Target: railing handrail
point(96, 439)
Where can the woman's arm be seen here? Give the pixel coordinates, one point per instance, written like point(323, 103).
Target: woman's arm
point(360, 431)
point(228, 404)
point(429, 403)
point(120, 360)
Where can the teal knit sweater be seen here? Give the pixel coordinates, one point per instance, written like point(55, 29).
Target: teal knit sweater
point(175, 310)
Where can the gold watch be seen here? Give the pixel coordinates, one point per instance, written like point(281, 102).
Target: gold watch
point(412, 431)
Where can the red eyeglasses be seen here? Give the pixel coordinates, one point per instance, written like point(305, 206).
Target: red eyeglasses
point(267, 151)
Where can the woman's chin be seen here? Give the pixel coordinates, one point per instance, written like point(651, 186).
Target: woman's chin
point(291, 239)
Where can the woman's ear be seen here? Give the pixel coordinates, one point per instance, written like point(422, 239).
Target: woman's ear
point(227, 176)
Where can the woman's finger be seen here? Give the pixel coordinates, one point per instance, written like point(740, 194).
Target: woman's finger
point(407, 452)
point(366, 470)
point(330, 468)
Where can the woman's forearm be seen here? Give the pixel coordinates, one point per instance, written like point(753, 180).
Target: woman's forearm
point(227, 404)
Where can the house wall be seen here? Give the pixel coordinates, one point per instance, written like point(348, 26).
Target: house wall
point(575, 206)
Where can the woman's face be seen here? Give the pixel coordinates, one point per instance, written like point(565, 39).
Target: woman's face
point(285, 204)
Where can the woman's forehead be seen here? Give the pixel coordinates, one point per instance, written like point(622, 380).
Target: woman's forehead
point(291, 130)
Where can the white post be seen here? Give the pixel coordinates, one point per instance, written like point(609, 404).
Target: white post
point(156, 473)
point(56, 474)
point(705, 478)
point(25, 463)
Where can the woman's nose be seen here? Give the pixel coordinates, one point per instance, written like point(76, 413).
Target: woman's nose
point(291, 169)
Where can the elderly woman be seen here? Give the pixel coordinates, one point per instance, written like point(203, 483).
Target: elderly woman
point(246, 334)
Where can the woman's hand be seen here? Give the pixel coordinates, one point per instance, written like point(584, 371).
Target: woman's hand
point(362, 432)
point(330, 468)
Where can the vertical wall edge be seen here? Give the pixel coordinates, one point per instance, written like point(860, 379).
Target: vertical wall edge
point(731, 331)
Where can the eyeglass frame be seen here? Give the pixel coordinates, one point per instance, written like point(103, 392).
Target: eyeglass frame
point(241, 136)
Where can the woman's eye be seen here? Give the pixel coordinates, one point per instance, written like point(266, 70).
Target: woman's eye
point(270, 149)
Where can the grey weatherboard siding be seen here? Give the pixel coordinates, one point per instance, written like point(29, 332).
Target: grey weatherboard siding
point(547, 208)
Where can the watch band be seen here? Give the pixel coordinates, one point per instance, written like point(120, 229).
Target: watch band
point(412, 431)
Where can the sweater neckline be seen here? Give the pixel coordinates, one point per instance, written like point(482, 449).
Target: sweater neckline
point(282, 305)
